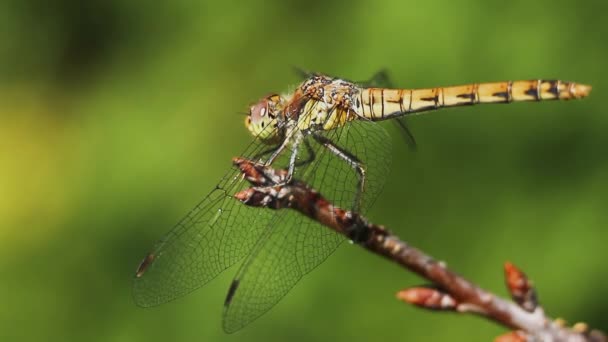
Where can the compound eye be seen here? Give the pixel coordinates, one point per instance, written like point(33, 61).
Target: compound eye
point(259, 111)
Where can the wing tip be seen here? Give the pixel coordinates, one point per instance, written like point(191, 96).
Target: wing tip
point(229, 324)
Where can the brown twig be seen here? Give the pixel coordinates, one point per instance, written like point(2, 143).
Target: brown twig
point(449, 291)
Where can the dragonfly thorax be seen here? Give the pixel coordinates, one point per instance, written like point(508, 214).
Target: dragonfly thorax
point(263, 121)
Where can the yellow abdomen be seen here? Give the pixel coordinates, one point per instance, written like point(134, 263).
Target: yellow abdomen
point(380, 103)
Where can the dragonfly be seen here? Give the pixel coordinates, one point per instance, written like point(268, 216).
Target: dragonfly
point(324, 132)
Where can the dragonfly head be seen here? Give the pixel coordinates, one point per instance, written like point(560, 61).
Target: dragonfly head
point(263, 119)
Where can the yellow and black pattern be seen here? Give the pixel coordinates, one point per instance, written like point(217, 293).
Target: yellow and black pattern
point(380, 103)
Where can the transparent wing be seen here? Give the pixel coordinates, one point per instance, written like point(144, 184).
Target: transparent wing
point(217, 233)
point(272, 269)
point(369, 143)
point(294, 245)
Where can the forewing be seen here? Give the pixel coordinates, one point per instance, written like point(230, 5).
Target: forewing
point(336, 180)
point(294, 245)
point(217, 233)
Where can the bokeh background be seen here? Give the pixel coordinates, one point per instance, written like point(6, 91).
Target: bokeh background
point(116, 117)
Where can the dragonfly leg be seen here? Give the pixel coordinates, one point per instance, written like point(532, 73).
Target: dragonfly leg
point(277, 152)
point(311, 155)
point(292, 161)
point(292, 158)
point(352, 160)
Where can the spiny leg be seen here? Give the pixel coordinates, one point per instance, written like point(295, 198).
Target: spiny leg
point(277, 152)
point(299, 163)
point(352, 160)
point(311, 155)
point(292, 159)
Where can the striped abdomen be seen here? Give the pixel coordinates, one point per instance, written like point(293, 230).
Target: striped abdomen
point(380, 103)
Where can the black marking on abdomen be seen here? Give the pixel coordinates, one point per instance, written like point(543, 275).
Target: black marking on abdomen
point(231, 292)
point(534, 91)
point(434, 99)
point(554, 88)
point(503, 94)
point(371, 103)
point(382, 101)
point(470, 97)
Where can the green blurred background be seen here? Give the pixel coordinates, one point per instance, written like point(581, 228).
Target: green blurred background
point(117, 117)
